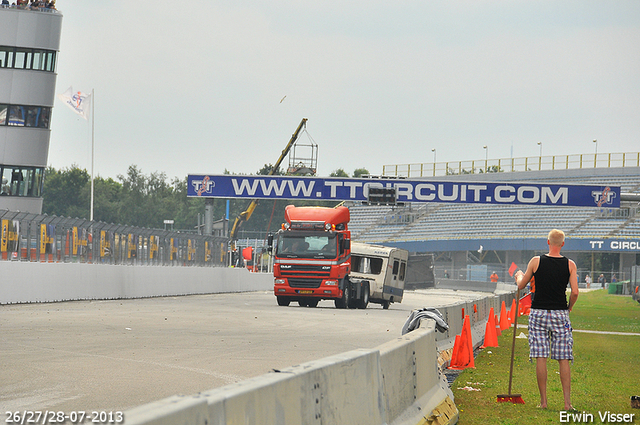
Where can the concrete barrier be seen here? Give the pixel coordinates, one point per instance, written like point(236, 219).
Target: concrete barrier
point(397, 383)
point(49, 282)
point(413, 386)
point(478, 312)
point(341, 389)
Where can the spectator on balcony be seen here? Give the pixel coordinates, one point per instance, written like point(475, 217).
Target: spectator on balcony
point(6, 190)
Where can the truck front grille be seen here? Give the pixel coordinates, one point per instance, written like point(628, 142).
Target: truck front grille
point(304, 283)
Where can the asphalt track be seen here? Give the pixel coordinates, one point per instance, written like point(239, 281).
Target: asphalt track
point(117, 354)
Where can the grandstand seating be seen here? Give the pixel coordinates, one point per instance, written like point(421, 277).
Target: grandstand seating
point(420, 222)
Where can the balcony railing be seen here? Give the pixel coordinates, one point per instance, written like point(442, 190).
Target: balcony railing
point(507, 165)
point(27, 7)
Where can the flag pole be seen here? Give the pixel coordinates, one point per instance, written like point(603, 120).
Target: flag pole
point(93, 122)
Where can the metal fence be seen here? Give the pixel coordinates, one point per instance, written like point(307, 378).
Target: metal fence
point(483, 272)
point(538, 163)
point(43, 238)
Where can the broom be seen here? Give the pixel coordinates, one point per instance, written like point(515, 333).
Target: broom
point(513, 398)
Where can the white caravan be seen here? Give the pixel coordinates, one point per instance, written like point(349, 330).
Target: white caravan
point(384, 267)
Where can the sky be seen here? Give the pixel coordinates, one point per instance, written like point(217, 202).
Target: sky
point(205, 86)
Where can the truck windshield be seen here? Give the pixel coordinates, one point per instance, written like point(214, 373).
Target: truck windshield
point(307, 246)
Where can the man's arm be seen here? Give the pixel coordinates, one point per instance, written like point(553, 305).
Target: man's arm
point(523, 278)
point(573, 282)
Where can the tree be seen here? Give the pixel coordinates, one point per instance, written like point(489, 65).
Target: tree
point(339, 173)
point(358, 172)
point(64, 192)
point(186, 210)
point(133, 205)
point(264, 171)
point(106, 199)
point(144, 200)
point(492, 169)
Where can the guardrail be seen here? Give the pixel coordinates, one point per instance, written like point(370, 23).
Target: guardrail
point(43, 238)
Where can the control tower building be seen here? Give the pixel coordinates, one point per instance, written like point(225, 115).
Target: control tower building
point(29, 45)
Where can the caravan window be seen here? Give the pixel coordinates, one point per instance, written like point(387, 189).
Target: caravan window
point(403, 267)
point(396, 266)
point(368, 265)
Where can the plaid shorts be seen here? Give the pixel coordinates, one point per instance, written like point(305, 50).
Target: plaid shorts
point(550, 332)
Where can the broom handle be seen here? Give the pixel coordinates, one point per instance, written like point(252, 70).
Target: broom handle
point(513, 344)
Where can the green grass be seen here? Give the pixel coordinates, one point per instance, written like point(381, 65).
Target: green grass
point(600, 311)
point(605, 373)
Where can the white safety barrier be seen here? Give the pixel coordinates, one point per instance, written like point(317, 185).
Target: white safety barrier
point(49, 282)
point(397, 383)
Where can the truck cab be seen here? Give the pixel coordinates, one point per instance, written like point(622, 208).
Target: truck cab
point(312, 257)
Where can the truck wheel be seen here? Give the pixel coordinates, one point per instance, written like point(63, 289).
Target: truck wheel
point(346, 296)
point(386, 304)
point(312, 302)
point(303, 303)
point(364, 301)
point(283, 301)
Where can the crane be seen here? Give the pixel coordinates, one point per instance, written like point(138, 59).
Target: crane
point(246, 214)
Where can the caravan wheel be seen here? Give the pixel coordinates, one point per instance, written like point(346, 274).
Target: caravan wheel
point(364, 301)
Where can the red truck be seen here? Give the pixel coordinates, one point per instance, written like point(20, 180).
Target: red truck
point(312, 259)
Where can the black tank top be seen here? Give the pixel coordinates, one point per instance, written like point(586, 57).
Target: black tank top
point(552, 278)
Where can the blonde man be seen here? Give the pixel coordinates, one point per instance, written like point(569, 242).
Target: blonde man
point(550, 332)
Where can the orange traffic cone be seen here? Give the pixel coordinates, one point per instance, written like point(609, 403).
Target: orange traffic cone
point(490, 336)
point(497, 323)
point(455, 353)
point(464, 358)
point(512, 312)
point(504, 322)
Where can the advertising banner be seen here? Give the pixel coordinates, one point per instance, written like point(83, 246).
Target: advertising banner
point(74, 242)
point(173, 254)
point(153, 244)
point(207, 251)
point(47, 236)
point(352, 189)
point(9, 235)
point(132, 246)
point(105, 243)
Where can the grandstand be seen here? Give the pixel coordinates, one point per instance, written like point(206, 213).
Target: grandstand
point(511, 231)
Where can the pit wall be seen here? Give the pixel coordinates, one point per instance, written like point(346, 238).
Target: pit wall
point(49, 282)
point(397, 383)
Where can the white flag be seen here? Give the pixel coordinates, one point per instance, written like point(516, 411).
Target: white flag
point(78, 101)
